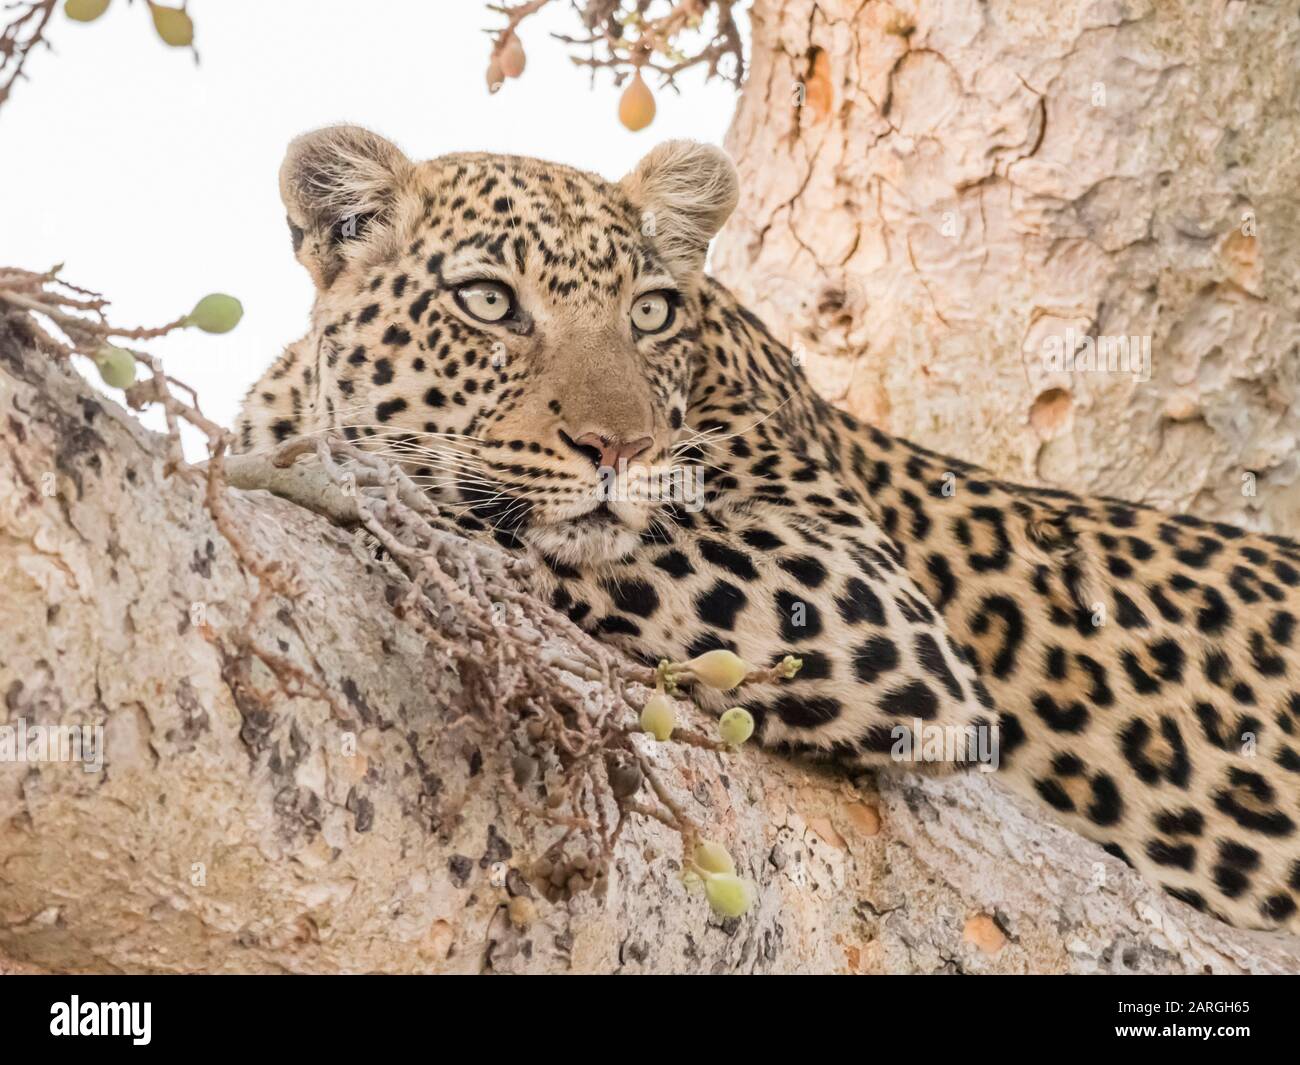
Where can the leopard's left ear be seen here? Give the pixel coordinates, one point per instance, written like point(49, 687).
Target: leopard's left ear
point(685, 191)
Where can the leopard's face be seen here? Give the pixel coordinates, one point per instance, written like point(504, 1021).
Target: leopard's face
point(521, 335)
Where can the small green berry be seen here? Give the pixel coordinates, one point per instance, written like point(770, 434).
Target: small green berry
point(116, 366)
point(216, 313)
point(713, 858)
point(658, 718)
point(719, 669)
point(736, 725)
point(728, 894)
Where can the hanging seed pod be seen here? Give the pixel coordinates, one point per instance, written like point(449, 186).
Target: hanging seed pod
point(636, 107)
point(512, 57)
point(85, 10)
point(174, 26)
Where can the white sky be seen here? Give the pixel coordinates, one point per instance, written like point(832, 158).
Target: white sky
point(154, 180)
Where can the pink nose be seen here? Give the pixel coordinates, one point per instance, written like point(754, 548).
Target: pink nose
point(605, 452)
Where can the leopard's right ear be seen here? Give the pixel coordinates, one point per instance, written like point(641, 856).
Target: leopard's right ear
point(339, 185)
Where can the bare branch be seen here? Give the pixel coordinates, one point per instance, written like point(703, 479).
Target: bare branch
point(24, 33)
point(663, 36)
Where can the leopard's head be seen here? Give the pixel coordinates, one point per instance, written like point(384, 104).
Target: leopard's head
point(521, 335)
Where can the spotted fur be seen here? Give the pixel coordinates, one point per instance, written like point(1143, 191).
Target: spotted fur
point(1142, 667)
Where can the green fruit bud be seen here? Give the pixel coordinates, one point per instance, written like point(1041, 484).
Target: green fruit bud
point(85, 10)
point(174, 26)
point(736, 725)
point(658, 718)
point(116, 366)
point(718, 669)
point(713, 858)
point(790, 666)
point(728, 894)
point(216, 313)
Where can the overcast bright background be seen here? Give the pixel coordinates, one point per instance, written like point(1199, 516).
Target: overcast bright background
point(154, 180)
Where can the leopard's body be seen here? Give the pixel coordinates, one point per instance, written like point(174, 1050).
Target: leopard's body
point(1144, 669)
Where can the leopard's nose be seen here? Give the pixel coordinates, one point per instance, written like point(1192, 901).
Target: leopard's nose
point(605, 452)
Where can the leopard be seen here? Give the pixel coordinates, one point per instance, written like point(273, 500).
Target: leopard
point(536, 345)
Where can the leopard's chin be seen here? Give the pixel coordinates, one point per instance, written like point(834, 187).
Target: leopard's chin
point(605, 534)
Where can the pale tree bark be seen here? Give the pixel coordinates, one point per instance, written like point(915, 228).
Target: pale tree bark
point(236, 825)
point(934, 189)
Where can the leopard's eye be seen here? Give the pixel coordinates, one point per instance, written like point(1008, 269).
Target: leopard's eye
point(653, 312)
point(488, 301)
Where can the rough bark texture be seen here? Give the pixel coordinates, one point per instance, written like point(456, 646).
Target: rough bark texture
point(966, 179)
point(222, 835)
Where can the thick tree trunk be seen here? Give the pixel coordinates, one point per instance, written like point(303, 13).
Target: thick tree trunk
point(234, 826)
point(940, 198)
